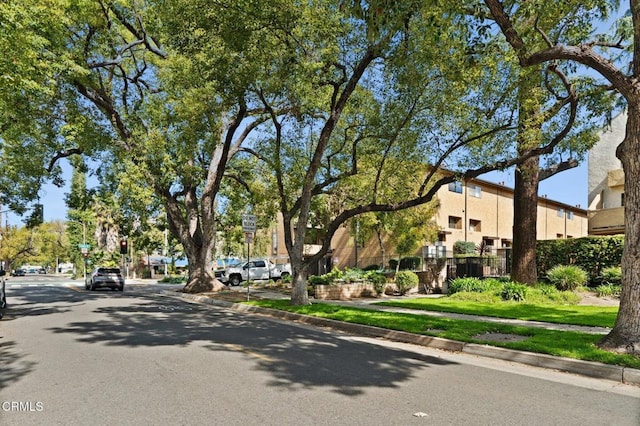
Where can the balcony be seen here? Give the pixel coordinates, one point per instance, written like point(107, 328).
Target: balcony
point(606, 221)
point(615, 178)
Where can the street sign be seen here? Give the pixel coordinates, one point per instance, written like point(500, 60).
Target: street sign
point(84, 246)
point(248, 223)
point(248, 237)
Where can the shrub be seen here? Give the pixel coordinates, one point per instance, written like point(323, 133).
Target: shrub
point(464, 247)
point(405, 281)
point(514, 291)
point(474, 285)
point(319, 280)
point(350, 275)
point(567, 277)
point(371, 268)
point(173, 279)
point(611, 275)
point(410, 263)
point(378, 280)
point(590, 253)
point(608, 290)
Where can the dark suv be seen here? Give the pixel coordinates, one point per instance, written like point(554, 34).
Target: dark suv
point(3, 295)
point(105, 277)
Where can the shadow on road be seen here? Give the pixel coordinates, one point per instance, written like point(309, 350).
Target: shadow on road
point(296, 357)
point(12, 366)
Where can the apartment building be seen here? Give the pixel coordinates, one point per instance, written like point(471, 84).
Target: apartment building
point(606, 181)
point(477, 211)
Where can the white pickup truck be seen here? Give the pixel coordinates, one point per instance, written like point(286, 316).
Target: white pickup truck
point(254, 269)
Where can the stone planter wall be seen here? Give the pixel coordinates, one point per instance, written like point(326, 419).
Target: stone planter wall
point(344, 291)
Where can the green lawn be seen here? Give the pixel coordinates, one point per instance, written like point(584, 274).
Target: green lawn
point(559, 343)
point(594, 316)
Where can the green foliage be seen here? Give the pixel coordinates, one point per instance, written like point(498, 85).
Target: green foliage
point(378, 280)
point(173, 279)
point(514, 291)
point(611, 275)
point(319, 280)
point(405, 281)
point(592, 254)
point(567, 277)
point(350, 275)
point(474, 285)
point(412, 263)
point(464, 247)
point(608, 290)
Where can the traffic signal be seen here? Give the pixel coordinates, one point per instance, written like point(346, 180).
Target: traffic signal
point(123, 246)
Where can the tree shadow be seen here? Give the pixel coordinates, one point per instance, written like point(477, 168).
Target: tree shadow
point(34, 301)
point(13, 367)
point(297, 357)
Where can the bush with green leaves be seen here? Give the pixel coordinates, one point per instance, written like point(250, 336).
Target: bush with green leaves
point(608, 290)
point(475, 285)
point(464, 247)
point(567, 277)
point(405, 281)
point(350, 275)
point(174, 279)
point(378, 280)
point(319, 280)
point(611, 275)
point(514, 291)
point(592, 254)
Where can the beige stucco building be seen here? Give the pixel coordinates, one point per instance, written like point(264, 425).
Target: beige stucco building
point(474, 211)
point(606, 181)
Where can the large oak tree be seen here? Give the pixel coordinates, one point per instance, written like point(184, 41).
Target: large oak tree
point(600, 55)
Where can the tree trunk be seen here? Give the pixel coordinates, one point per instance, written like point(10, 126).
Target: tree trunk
point(525, 216)
point(202, 280)
point(299, 275)
point(525, 193)
point(625, 335)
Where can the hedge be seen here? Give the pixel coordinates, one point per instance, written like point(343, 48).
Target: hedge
point(593, 254)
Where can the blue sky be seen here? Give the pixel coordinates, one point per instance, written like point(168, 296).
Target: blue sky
point(569, 187)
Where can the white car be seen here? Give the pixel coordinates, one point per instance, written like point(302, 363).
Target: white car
point(254, 269)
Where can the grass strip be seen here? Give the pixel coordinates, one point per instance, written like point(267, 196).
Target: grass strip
point(592, 316)
point(558, 343)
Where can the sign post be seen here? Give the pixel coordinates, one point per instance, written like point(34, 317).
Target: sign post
point(84, 249)
point(248, 227)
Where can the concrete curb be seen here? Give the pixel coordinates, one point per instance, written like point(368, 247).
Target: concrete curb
point(596, 370)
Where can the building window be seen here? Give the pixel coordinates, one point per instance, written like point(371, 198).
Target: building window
point(474, 225)
point(455, 222)
point(570, 215)
point(622, 200)
point(455, 187)
point(475, 191)
point(559, 236)
point(560, 212)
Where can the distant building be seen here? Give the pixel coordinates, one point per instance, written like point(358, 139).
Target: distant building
point(606, 181)
point(477, 211)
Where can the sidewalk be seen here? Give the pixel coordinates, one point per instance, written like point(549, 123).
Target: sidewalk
point(586, 368)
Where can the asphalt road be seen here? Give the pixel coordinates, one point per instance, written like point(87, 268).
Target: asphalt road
point(73, 357)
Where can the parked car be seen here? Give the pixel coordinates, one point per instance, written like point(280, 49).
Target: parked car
point(105, 277)
point(3, 295)
point(254, 269)
point(19, 273)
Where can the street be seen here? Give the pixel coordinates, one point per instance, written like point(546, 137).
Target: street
point(73, 357)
